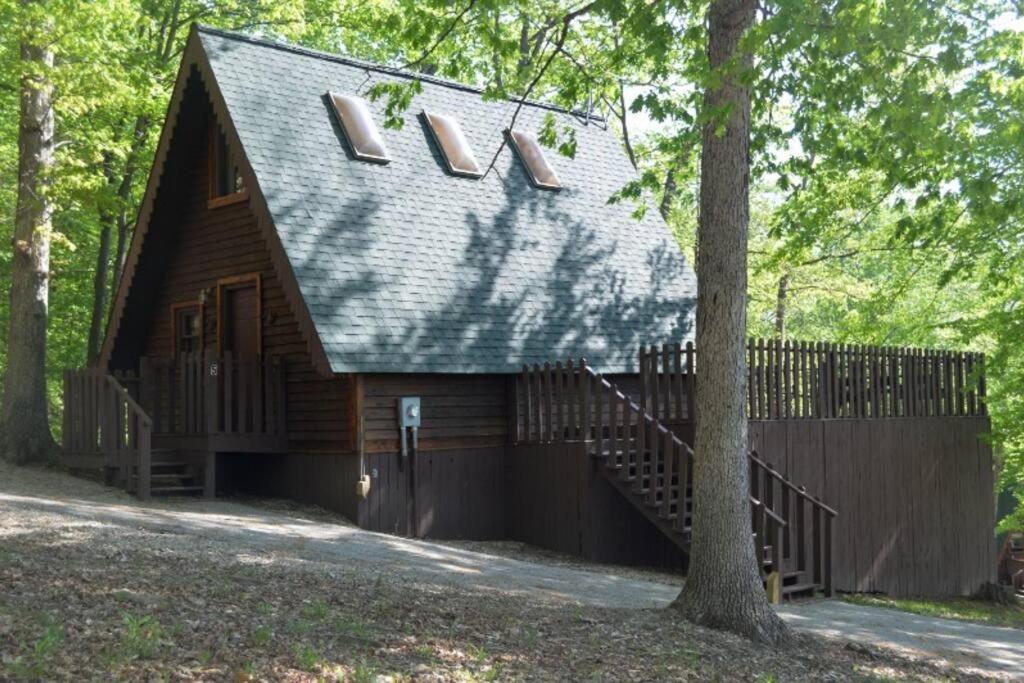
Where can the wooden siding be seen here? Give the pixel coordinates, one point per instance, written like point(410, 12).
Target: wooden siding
point(557, 499)
point(915, 497)
point(452, 487)
point(212, 244)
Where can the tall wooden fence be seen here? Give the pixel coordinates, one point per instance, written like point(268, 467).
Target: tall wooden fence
point(915, 497)
point(818, 380)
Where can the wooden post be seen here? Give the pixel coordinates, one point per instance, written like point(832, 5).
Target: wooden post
point(144, 431)
point(691, 408)
point(774, 588)
point(828, 556)
point(524, 404)
point(668, 454)
point(546, 407)
point(570, 399)
point(210, 475)
point(816, 546)
point(559, 402)
point(585, 387)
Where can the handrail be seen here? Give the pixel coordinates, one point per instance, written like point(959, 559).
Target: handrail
point(132, 403)
point(640, 411)
point(799, 490)
point(756, 502)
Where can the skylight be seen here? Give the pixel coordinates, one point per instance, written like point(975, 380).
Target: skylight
point(453, 144)
point(360, 131)
point(532, 156)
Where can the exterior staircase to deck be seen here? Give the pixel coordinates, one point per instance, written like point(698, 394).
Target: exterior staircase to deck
point(172, 475)
point(653, 469)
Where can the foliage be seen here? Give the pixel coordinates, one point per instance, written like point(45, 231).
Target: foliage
point(963, 609)
point(37, 661)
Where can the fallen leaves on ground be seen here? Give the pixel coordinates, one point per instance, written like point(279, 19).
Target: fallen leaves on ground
point(83, 600)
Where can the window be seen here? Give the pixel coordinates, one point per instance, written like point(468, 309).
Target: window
point(187, 324)
point(357, 124)
point(454, 146)
point(532, 156)
point(226, 184)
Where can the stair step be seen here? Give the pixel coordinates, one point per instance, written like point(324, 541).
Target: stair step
point(170, 477)
point(172, 490)
point(799, 588)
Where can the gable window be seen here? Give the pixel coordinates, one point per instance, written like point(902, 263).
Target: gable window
point(226, 184)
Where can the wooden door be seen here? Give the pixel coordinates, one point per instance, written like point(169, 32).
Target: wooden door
point(241, 322)
point(240, 341)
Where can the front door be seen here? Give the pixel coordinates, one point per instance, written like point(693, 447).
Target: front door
point(240, 344)
point(241, 322)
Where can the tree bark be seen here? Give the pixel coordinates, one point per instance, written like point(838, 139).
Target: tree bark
point(25, 413)
point(101, 278)
point(781, 302)
point(723, 587)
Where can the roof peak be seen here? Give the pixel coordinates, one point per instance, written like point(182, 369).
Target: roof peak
point(381, 68)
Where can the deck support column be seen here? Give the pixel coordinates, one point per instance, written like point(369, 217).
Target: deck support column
point(210, 475)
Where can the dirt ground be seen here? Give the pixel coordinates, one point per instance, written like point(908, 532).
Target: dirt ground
point(93, 599)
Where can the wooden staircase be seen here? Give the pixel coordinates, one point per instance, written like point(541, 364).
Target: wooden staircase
point(652, 468)
point(106, 430)
point(172, 475)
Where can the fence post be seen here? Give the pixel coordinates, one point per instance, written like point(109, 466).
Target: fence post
point(143, 444)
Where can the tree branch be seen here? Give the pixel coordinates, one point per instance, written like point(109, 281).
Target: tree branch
point(441, 38)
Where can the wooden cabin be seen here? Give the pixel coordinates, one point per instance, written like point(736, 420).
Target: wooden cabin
point(441, 330)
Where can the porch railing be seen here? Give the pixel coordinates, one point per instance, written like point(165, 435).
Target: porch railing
point(818, 380)
point(206, 394)
point(105, 428)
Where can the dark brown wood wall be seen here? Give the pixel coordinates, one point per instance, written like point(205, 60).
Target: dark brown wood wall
point(915, 497)
point(556, 498)
point(456, 484)
point(210, 244)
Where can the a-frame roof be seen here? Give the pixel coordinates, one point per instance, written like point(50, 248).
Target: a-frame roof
point(406, 268)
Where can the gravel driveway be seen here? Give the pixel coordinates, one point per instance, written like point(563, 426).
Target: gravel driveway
point(244, 528)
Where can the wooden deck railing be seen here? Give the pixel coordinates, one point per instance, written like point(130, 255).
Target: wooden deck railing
point(804, 380)
point(105, 428)
point(202, 394)
point(570, 402)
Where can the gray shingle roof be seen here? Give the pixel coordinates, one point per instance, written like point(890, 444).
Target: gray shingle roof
point(406, 268)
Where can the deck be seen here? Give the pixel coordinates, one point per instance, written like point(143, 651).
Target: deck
point(166, 421)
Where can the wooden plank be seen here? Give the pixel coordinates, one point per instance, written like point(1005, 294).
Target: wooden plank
point(559, 399)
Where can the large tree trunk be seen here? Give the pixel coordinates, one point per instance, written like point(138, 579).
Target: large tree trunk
point(723, 586)
point(25, 411)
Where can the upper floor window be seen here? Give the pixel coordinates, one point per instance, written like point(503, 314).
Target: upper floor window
point(226, 184)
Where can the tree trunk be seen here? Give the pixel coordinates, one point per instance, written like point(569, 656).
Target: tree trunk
point(124, 194)
point(25, 413)
point(723, 587)
point(781, 300)
point(100, 288)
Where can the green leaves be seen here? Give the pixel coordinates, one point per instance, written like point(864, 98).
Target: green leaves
point(398, 96)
